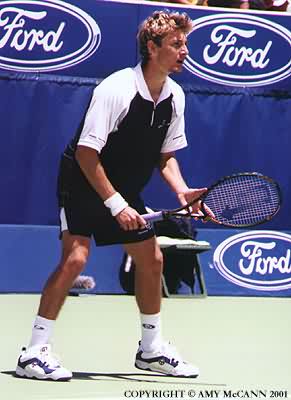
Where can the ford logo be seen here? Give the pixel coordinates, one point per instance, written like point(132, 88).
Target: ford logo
point(45, 35)
point(259, 260)
point(239, 50)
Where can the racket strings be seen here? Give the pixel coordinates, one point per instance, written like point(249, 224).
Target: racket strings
point(243, 200)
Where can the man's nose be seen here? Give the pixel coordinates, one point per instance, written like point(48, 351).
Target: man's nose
point(184, 50)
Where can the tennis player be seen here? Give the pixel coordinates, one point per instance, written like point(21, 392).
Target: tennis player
point(135, 123)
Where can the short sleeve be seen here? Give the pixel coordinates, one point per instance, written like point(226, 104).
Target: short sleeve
point(109, 104)
point(101, 118)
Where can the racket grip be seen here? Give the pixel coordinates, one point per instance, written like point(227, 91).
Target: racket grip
point(154, 216)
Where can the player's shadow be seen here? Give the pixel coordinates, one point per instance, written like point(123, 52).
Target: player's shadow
point(133, 377)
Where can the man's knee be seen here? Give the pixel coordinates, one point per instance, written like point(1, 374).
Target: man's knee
point(74, 263)
point(147, 257)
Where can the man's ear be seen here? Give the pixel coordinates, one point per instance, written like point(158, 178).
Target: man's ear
point(151, 47)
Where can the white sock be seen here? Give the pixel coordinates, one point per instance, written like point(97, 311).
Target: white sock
point(150, 332)
point(42, 331)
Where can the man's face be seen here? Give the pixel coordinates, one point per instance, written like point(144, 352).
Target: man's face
point(172, 53)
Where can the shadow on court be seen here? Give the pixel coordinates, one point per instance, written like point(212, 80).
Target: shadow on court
point(133, 377)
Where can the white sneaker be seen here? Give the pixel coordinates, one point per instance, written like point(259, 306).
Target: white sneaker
point(38, 362)
point(166, 361)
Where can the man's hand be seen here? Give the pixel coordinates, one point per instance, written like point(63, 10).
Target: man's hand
point(129, 219)
point(191, 194)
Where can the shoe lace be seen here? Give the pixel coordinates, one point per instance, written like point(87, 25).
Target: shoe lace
point(49, 358)
point(171, 352)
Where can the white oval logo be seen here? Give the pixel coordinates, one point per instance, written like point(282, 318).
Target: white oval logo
point(45, 35)
point(239, 50)
point(259, 260)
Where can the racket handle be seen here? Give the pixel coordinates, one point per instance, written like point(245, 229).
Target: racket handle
point(154, 216)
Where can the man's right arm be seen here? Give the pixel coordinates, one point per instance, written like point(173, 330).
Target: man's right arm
point(90, 164)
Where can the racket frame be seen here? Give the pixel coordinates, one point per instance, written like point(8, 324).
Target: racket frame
point(185, 211)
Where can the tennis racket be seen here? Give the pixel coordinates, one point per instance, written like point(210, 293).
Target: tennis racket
point(240, 200)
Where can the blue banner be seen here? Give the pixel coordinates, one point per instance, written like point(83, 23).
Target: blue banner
point(248, 263)
point(236, 80)
point(240, 263)
point(229, 49)
point(75, 38)
point(239, 50)
point(81, 38)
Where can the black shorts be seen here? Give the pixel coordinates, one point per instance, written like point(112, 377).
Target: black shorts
point(105, 229)
point(85, 213)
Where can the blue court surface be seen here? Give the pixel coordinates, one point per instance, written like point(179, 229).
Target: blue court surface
point(242, 346)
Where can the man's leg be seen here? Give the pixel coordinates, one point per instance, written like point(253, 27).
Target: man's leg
point(153, 354)
point(148, 260)
point(37, 361)
point(74, 256)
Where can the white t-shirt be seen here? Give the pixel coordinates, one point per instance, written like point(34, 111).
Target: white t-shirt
point(111, 101)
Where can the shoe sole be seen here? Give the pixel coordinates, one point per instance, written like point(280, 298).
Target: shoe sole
point(165, 374)
point(20, 373)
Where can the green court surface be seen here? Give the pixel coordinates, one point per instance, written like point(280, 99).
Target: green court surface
point(242, 346)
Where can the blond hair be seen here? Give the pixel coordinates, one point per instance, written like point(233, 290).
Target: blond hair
point(159, 25)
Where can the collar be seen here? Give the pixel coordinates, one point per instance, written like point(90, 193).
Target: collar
point(144, 90)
